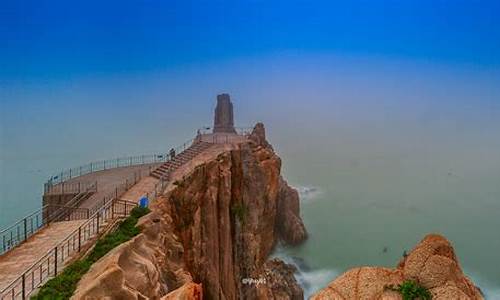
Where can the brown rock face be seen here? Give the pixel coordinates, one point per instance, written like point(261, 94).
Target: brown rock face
point(224, 119)
point(289, 224)
point(432, 263)
point(189, 291)
point(277, 281)
point(227, 212)
point(136, 268)
point(211, 234)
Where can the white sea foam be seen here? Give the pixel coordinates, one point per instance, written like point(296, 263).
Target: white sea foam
point(308, 193)
point(491, 291)
point(314, 280)
point(311, 280)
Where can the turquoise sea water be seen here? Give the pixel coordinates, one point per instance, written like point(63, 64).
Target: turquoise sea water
point(382, 155)
point(365, 193)
point(359, 194)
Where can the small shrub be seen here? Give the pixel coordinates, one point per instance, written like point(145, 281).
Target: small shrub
point(411, 290)
point(64, 285)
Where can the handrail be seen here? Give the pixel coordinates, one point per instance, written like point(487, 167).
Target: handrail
point(125, 161)
point(85, 232)
point(40, 271)
point(104, 165)
point(56, 256)
point(21, 230)
point(246, 130)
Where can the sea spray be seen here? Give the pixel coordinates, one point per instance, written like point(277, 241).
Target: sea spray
point(490, 290)
point(308, 193)
point(310, 279)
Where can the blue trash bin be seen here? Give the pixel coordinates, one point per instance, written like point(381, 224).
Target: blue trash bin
point(144, 202)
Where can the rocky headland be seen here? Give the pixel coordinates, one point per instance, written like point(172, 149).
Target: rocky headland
point(210, 235)
point(432, 263)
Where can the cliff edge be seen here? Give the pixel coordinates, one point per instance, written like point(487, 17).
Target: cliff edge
point(210, 235)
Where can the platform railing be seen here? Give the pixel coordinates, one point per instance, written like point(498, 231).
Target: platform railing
point(103, 165)
point(21, 230)
point(53, 262)
point(66, 188)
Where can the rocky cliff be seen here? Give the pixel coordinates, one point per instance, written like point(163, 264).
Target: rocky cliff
point(432, 263)
point(210, 235)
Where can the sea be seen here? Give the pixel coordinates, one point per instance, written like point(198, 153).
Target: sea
point(379, 160)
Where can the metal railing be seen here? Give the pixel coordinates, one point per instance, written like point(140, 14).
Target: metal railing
point(239, 130)
point(21, 230)
point(124, 162)
point(52, 263)
point(104, 165)
point(66, 188)
point(111, 206)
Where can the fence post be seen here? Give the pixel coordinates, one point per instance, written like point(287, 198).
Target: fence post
point(116, 192)
point(98, 213)
point(104, 165)
point(55, 261)
point(79, 187)
point(112, 209)
point(24, 286)
point(25, 229)
point(79, 239)
point(88, 213)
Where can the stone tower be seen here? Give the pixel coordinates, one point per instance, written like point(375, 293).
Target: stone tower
point(224, 120)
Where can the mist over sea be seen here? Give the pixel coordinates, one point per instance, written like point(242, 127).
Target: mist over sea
point(382, 152)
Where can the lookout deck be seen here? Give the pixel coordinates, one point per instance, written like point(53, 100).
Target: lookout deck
point(108, 181)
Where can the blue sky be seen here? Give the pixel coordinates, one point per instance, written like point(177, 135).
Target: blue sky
point(65, 62)
point(60, 39)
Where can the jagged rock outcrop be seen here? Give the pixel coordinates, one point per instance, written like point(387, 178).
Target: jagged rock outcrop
point(277, 281)
point(211, 234)
point(146, 267)
point(432, 263)
point(189, 291)
point(289, 224)
point(227, 212)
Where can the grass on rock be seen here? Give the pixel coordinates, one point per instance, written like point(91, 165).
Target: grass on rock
point(412, 290)
point(63, 285)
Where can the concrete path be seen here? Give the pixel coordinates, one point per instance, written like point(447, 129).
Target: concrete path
point(109, 180)
point(142, 188)
point(19, 259)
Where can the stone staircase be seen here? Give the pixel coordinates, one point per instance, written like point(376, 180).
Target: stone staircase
point(163, 172)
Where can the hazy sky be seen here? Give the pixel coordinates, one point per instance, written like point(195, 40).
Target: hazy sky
point(75, 70)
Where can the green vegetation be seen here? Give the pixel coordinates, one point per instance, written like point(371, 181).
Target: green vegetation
point(63, 285)
point(411, 290)
point(239, 210)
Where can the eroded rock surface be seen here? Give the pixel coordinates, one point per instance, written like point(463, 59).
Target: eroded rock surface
point(211, 231)
point(432, 263)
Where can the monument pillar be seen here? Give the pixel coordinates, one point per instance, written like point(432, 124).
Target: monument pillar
point(224, 120)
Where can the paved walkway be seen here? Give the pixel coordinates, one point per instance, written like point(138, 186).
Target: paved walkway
point(142, 188)
point(108, 180)
point(14, 263)
point(19, 259)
